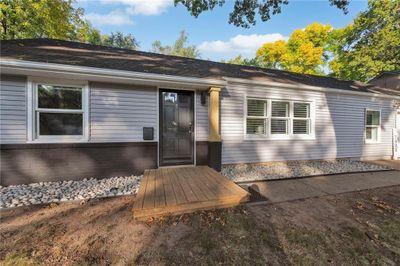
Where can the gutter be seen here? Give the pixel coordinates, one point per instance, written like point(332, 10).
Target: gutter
point(309, 88)
point(10, 66)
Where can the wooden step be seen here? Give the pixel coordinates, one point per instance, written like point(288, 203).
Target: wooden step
point(183, 190)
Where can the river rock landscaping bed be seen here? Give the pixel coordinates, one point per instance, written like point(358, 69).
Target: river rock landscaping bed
point(291, 169)
point(47, 192)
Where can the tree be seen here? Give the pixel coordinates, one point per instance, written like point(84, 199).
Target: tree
point(56, 19)
point(119, 40)
point(271, 54)
point(306, 51)
point(40, 19)
point(239, 60)
point(244, 11)
point(370, 45)
point(88, 34)
point(179, 48)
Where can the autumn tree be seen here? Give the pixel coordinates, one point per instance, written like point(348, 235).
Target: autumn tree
point(244, 11)
point(304, 52)
point(370, 45)
point(179, 48)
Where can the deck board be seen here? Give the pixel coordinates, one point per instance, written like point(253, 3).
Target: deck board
point(149, 196)
point(140, 197)
point(213, 185)
point(187, 189)
point(160, 196)
point(170, 198)
point(177, 187)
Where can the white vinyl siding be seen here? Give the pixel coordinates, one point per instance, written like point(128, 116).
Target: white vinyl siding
point(118, 113)
point(339, 127)
point(13, 109)
point(201, 118)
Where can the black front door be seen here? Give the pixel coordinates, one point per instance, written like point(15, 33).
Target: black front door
point(176, 127)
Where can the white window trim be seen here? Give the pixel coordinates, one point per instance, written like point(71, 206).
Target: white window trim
point(287, 118)
point(265, 117)
point(290, 135)
point(32, 104)
point(370, 141)
point(311, 119)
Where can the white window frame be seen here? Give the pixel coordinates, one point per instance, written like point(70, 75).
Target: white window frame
point(33, 109)
point(268, 118)
point(379, 126)
point(310, 119)
point(264, 117)
point(287, 118)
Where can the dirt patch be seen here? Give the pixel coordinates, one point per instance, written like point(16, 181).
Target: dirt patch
point(352, 228)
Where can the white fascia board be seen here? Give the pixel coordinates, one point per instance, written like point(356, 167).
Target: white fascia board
point(30, 68)
point(308, 87)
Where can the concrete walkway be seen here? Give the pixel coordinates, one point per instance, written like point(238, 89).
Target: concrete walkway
point(293, 189)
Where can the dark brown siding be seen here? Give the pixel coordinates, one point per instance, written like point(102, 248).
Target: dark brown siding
point(202, 153)
point(29, 163)
point(215, 155)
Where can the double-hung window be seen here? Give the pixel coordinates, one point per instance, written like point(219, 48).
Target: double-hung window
point(372, 126)
point(301, 118)
point(59, 112)
point(256, 121)
point(279, 119)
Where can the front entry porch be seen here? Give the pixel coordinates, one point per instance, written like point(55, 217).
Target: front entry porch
point(187, 189)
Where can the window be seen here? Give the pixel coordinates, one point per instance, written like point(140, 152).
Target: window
point(256, 117)
point(372, 125)
point(278, 119)
point(301, 118)
point(59, 112)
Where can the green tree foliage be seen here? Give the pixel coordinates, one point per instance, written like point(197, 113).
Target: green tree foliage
point(119, 40)
point(40, 19)
point(179, 48)
point(244, 11)
point(370, 45)
point(56, 19)
point(304, 52)
point(239, 60)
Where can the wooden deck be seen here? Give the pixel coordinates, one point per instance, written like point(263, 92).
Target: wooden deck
point(181, 190)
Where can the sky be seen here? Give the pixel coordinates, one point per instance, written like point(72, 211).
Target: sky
point(216, 39)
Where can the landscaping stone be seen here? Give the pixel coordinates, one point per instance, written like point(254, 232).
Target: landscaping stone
point(291, 169)
point(47, 192)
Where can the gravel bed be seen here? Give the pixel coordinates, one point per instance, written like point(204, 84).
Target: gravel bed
point(290, 169)
point(47, 192)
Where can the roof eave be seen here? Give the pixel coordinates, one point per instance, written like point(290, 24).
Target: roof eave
point(33, 68)
point(309, 88)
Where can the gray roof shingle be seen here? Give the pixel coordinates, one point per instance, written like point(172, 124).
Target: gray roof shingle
point(81, 54)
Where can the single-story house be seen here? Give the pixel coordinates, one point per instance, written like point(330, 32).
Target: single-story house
point(71, 110)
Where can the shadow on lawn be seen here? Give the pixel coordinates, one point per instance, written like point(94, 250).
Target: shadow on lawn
point(227, 237)
point(353, 228)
